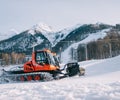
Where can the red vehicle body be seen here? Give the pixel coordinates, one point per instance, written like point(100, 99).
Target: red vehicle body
point(44, 61)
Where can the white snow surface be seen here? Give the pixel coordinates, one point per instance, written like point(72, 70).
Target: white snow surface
point(66, 55)
point(101, 82)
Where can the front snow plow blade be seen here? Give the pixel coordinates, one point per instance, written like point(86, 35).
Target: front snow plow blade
point(74, 69)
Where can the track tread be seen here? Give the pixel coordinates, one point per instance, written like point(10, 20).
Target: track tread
point(43, 76)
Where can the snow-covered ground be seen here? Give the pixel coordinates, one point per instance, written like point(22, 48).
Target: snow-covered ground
point(101, 82)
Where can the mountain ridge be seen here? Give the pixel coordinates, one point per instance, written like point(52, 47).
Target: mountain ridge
point(42, 38)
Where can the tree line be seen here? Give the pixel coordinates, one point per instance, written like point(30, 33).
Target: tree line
point(102, 48)
point(12, 58)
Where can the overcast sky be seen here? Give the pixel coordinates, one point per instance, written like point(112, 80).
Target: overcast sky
point(23, 14)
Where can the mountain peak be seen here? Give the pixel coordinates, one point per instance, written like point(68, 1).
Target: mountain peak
point(41, 27)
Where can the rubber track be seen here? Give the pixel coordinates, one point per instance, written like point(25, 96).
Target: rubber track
point(44, 76)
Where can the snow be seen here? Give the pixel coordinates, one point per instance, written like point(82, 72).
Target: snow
point(62, 34)
point(66, 57)
point(101, 82)
point(41, 27)
point(39, 40)
point(46, 30)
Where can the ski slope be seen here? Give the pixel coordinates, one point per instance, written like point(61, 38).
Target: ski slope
point(101, 82)
point(66, 54)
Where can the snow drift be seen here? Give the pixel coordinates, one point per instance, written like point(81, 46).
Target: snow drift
point(101, 82)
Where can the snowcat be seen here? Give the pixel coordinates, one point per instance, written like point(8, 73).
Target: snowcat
point(44, 66)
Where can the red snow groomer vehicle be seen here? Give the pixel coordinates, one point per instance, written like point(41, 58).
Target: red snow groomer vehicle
point(44, 66)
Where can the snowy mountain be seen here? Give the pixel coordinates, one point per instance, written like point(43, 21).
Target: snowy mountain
point(41, 27)
point(77, 34)
point(63, 34)
point(46, 30)
point(101, 82)
point(26, 40)
point(42, 36)
point(66, 54)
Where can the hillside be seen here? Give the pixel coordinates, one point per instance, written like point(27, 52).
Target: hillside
point(99, 45)
point(66, 54)
point(77, 34)
point(24, 41)
point(42, 36)
point(101, 82)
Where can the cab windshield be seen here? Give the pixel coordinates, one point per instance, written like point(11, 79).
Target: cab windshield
point(40, 57)
point(52, 60)
point(44, 57)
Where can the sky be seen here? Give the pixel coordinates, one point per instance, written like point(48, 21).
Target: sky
point(59, 14)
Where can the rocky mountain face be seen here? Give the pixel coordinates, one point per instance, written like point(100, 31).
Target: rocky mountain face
point(41, 36)
point(24, 41)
